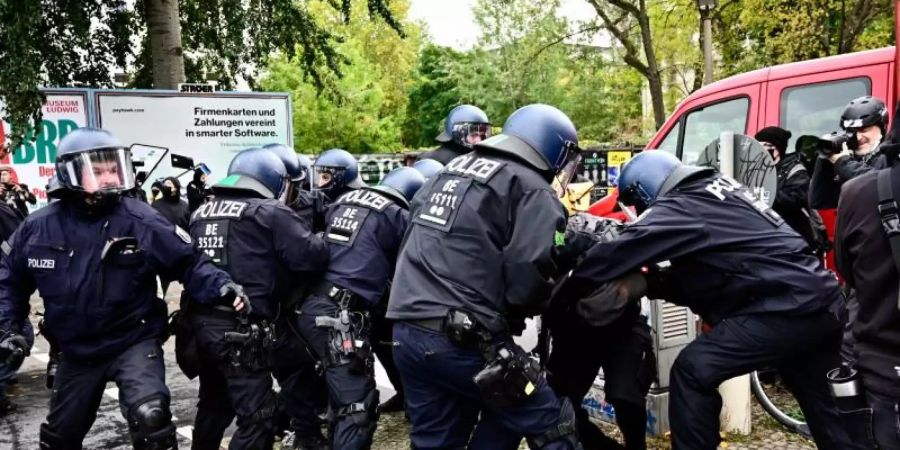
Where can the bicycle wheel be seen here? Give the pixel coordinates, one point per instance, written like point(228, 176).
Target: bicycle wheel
point(792, 423)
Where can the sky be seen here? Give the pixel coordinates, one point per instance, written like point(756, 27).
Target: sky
point(451, 23)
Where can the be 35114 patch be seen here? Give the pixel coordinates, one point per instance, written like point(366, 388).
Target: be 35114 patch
point(345, 224)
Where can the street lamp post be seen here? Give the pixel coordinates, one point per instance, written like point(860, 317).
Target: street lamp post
point(706, 7)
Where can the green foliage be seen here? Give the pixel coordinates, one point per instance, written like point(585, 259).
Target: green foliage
point(433, 93)
point(62, 42)
point(362, 110)
point(527, 54)
point(751, 34)
point(55, 43)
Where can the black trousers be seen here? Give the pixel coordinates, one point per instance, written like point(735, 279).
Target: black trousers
point(629, 367)
point(801, 348)
point(226, 394)
point(139, 373)
point(352, 394)
point(383, 344)
point(303, 390)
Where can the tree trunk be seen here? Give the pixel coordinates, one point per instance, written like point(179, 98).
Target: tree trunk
point(656, 98)
point(653, 75)
point(164, 28)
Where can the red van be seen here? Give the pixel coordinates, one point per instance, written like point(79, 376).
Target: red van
point(805, 97)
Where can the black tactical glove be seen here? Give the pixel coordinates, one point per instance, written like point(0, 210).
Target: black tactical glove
point(13, 349)
point(230, 291)
point(583, 231)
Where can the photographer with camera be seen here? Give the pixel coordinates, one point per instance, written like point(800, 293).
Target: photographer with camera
point(850, 153)
point(15, 194)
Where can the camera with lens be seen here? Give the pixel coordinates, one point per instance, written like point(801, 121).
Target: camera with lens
point(811, 147)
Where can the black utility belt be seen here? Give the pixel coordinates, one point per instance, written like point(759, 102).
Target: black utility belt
point(460, 327)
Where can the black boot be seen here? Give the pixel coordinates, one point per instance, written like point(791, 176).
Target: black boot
point(394, 404)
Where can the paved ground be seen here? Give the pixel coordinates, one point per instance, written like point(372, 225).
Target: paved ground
point(19, 430)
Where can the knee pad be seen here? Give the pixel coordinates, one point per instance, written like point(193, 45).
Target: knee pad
point(52, 441)
point(564, 432)
point(150, 423)
point(362, 413)
point(361, 416)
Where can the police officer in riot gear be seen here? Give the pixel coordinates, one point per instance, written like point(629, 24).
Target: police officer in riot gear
point(334, 173)
point(865, 119)
point(479, 257)
point(247, 231)
point(94, 257)
point(464, 127)
point(737, 264)
point(364, 232)
point(297, 195)
point(291, 362)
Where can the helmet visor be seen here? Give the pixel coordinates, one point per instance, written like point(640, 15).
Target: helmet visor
point(102, 170)
point(470, 133)
point(326, 178)
point(569, 162)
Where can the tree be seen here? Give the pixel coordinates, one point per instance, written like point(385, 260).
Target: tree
point(433, 92)
point(751, 34)
point(620, 18)
point(362, 110)
point(62, 42)
point(164, 31)
point(527, 54)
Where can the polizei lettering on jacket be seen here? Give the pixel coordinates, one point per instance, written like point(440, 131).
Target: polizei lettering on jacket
point(367, 198)
point(481, 169)
point(221, 209)
point(34, 263)
point(722, 185)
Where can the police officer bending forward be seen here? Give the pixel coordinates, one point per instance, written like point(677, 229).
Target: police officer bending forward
point(737, 264)
point(93, 257)
point(265, 246)
point(478, 257)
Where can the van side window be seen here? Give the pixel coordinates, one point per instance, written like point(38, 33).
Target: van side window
point(816, 108)
point(670, 142)
point(705, 124)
